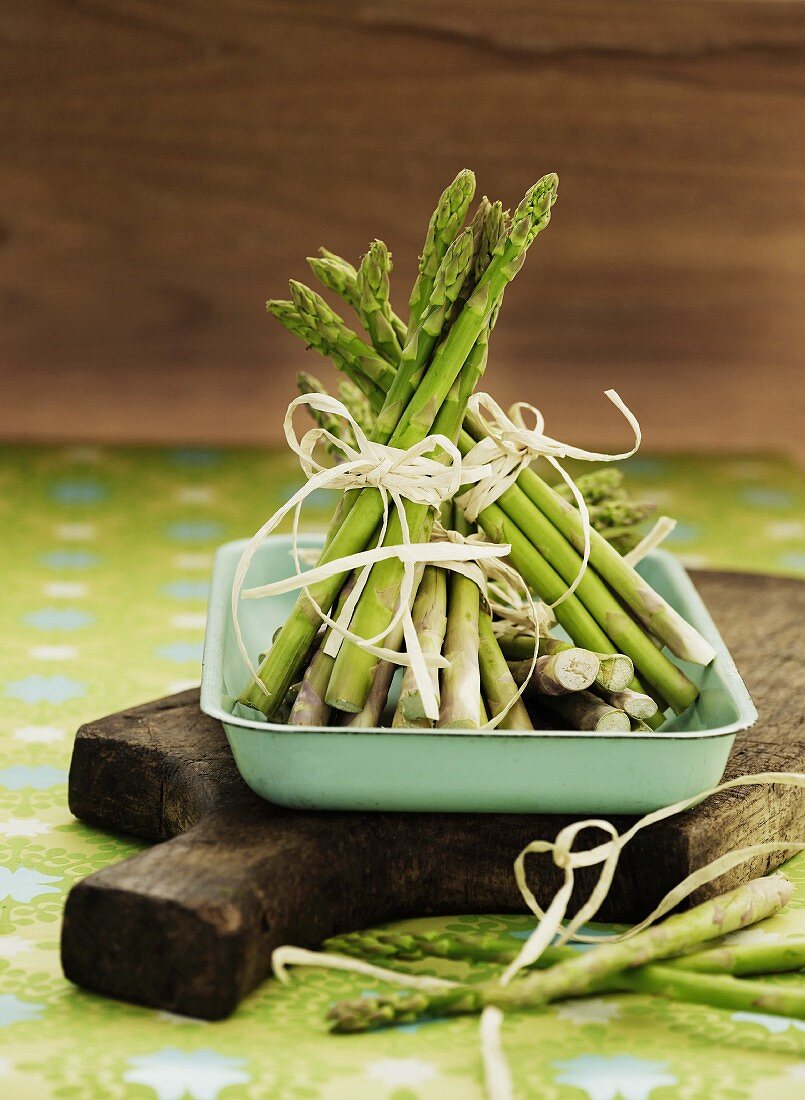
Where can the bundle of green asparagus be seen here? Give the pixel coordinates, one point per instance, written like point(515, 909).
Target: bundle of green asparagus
point(411, 380)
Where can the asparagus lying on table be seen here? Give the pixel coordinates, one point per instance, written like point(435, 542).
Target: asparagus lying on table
point(738, 960)
point(617, 963)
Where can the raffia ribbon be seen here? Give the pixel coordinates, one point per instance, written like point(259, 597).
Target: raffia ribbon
point(399, 476)
point(509, 446)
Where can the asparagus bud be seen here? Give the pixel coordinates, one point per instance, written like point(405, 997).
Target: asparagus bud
point(343, 354)
point(620, 514)
point(595, 487)
point(373, 306)
point(443, 228)
point(337, 275)
point(332, 331)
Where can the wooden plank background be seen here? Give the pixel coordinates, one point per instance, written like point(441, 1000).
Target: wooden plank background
point(167, 165)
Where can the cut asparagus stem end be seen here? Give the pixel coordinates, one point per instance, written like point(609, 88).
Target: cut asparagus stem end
point(615, 672)
point(572, 669)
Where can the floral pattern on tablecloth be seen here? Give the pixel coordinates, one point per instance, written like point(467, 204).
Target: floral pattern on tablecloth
point(105, 557)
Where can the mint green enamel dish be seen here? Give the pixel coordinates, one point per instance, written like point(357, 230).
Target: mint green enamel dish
point(468, 771)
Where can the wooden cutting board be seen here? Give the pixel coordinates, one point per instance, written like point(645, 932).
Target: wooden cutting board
point(189, 925)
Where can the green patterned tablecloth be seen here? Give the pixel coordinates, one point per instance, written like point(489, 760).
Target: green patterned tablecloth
point(104, 560)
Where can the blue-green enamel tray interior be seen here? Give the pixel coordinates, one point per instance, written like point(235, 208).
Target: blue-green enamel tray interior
point(506, 771)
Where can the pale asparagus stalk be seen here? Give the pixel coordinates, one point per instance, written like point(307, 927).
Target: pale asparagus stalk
point(569, 670)
point(310, 707)
point(336, 274)
point(430, 619)
point(461, 679)
point(634, 703)
point(584, 711)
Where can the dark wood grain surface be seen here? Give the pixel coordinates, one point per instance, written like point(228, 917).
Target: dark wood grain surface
point(190, 924)
point(167, 166)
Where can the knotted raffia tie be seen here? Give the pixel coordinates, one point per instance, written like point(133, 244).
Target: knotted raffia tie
point(398, 475)
point(509, 446)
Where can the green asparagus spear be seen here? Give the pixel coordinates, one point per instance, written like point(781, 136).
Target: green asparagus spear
point(738, 960)
point(653, 611)
point(746, 958)
point(619, 513)
point(289, 316)
point(561, 566)
point(335, 425)
point(466, 342)
point(310, 707)
point(338, 275)
point(497, 681)
point(317, 315)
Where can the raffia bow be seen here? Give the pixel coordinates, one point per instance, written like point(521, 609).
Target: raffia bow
point(509, 446)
